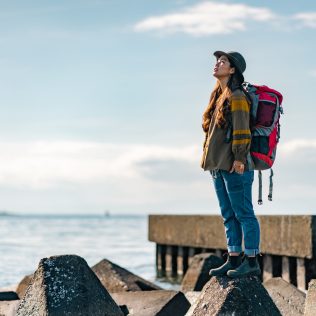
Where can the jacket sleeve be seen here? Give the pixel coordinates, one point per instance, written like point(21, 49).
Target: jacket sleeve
point(240, 122)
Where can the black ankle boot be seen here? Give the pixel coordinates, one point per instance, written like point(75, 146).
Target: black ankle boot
point(249, 266)
point(232, 262)
point(252, 261)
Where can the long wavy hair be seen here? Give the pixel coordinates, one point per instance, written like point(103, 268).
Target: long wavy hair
point(220, 99)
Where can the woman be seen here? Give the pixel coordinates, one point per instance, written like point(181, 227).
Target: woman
point(226, 156)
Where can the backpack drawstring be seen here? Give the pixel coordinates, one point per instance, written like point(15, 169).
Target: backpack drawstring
point(260, 186)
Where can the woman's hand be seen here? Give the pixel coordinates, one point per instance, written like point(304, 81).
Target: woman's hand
point(238, 166)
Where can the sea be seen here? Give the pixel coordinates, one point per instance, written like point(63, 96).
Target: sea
point(122, 239)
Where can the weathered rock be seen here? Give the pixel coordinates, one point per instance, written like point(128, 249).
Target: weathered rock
point(117, 279)
point(8, 296)
point(23, 285)
point(65, 285)
point(238, 297)
point(288, 299)
point(310, 303)
point(197, 274)
point(152, 303)
point(9, 308)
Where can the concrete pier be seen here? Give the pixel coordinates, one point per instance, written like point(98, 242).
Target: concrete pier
point(288, 244)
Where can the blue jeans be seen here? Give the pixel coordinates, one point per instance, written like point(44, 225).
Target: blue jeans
point(234, 195)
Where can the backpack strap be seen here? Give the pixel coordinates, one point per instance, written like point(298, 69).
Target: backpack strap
point(270, 185)
point(260, 187)
point(247, 95)
point(244, 88)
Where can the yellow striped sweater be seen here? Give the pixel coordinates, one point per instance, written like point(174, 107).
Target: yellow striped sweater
point(220, 154)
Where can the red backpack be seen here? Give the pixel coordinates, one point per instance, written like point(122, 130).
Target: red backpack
point(265, 111)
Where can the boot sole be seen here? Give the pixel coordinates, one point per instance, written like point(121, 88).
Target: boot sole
point(219, 273)
point(216, 274)
point(253, 273)
point(211, 275)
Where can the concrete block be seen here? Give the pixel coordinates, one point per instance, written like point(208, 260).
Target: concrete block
point(181, 257)
point(192, 296)
point(152, 303)
point(191, 254)
point(310, 303)
point(23, 285)
point(288, 299)
point(19, 288)
point(9, 308)
point(65, 285)
point(197, 274)
point(169, 259)
point(267, 268)
point(239, 297)
point(161, 257)
point(286, 269)
point(287, 235)
point(301, 274)
point(186, 230)
point(280, 235)
point(117, 279)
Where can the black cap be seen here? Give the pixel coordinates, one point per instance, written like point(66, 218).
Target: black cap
point(236, 58)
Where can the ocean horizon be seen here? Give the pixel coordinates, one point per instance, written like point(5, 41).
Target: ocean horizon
point(120, 238)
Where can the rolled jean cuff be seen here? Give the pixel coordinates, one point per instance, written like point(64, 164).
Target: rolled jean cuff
point(234, 249)
point(251, 252)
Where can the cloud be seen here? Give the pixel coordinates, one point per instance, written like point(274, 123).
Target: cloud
point(48, 164)
point(297, 146)
point(294, 184)
point(45, 164)
point(170, 170)
point(295, 161)
point(207, 18)
point(75, 175)
point(306, 19)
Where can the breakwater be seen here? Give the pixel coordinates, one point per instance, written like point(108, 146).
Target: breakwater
point(288, 244)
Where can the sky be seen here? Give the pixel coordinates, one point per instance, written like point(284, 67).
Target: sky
point(101, 102)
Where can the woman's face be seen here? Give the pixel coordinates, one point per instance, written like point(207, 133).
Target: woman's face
point(222, 68)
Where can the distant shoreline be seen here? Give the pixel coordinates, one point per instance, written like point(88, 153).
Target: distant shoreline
point(70, 215)
point(6, 213)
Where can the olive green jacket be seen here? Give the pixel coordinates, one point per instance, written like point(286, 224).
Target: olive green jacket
point(219, 150)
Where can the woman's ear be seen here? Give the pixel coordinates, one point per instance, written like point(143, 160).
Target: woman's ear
point(232, 70)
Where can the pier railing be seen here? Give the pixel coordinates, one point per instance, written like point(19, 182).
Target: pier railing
point(288, 244)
